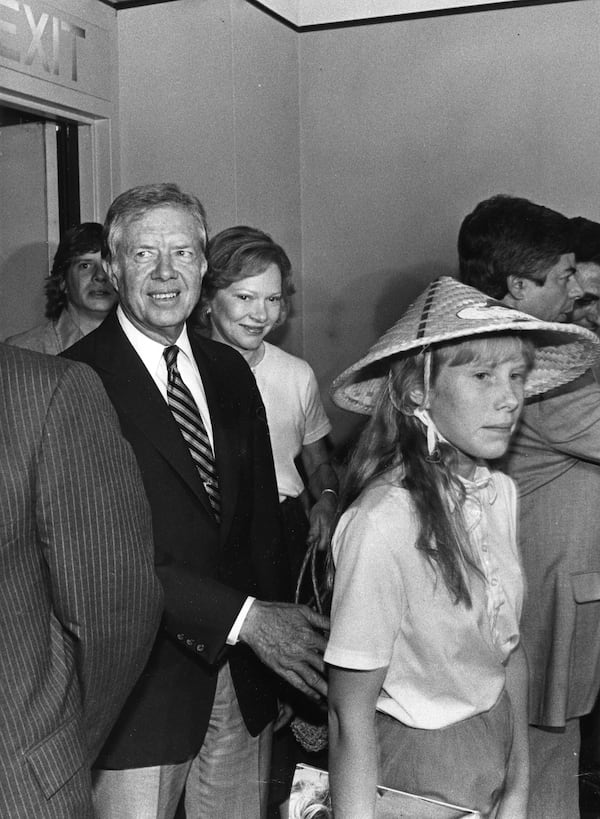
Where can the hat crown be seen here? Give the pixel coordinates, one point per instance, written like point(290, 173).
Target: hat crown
point(449, 309)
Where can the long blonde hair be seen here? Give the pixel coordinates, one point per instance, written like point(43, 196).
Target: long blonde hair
point(394, 439)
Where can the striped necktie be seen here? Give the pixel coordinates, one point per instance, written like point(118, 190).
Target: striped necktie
point(185, 412)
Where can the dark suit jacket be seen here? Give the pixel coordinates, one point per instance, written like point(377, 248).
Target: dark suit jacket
point(206, 570)
point(80, 602)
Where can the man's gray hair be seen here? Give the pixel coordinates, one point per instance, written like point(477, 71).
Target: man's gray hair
point(134, 203)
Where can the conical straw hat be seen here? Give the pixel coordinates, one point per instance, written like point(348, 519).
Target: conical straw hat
point(448, 310)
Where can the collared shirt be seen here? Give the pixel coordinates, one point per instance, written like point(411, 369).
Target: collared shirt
point(391, 608)
point(51, 338)
point(151, 354)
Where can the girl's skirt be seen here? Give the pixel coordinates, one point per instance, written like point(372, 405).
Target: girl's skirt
point(464, 764)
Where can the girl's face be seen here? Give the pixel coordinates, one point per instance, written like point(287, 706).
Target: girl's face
point(476, 403)
point(246, 311)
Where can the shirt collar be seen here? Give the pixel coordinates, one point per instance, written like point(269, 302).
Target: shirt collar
point(150, 351)
point(481, 485)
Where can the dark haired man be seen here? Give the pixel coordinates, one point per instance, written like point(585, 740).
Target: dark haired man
point(586, 244)
point(200, 718)
point(522, 254)
point(79, 295)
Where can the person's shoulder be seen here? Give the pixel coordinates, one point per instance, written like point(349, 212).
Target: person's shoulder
point(38, 369)
point(383, 514)
point(280, 361)
point(35, 339)
point(217, 352)
point(227, 369)
point(288, 359)
point(92, 346)
point(383, 495)
point(13, 357)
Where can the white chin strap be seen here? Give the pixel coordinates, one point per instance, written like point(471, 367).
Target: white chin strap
point(434, 436)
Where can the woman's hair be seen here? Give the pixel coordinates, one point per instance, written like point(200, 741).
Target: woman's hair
point(239, 252)
point(77, 241)
point(395, 439)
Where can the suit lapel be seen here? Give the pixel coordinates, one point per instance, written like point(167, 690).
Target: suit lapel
point(224, 416)
point(134, 392)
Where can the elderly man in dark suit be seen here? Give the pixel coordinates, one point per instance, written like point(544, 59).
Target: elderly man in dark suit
point(201, 716)
point(80, 599)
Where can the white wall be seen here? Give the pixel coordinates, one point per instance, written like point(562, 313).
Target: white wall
point(209, 100)
point(406, 125)
point(361, 148)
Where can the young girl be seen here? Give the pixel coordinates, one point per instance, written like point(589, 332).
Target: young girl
point(427, 680)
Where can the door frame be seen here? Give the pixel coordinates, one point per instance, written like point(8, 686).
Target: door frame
point(52, 88)
point(96, 167)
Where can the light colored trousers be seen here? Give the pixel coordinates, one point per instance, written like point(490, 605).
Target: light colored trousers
point(228, 779)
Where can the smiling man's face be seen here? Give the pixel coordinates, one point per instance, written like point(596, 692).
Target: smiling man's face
point(158, 271)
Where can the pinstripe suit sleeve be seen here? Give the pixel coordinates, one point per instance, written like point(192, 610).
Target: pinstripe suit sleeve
point(94, 524)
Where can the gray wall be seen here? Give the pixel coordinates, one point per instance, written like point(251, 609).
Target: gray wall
point(361, 148)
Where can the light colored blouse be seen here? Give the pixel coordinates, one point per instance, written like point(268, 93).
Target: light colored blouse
point(391, 608)
point(295, 413)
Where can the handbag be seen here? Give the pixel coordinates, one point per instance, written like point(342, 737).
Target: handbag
point(312, 736)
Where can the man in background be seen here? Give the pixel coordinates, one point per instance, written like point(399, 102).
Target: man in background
point(522, 254)
point(80, 600)
point(586, 246)
point(78, 293)
point(201, 717)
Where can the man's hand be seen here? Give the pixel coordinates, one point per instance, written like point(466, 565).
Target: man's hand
point(284, 637)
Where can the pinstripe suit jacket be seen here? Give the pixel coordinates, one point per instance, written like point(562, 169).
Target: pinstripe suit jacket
point(207, 570)
point(79, 600)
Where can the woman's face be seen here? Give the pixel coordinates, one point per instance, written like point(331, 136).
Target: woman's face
point(476, 405)
point(246, 311)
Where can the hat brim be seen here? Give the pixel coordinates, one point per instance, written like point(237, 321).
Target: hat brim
point(563, 353)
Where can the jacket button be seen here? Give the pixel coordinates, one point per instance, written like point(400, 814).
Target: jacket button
point(200, 647)
point(189, 642)
point(180, 636)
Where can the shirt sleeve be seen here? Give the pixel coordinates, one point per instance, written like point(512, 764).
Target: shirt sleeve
point(317, 424)
point(368, 600)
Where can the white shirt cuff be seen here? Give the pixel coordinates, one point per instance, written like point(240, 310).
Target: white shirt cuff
point(234, 634)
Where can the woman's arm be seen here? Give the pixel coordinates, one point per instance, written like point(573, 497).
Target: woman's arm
point(352, 741)
point(321, 477)
point(514, 803)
